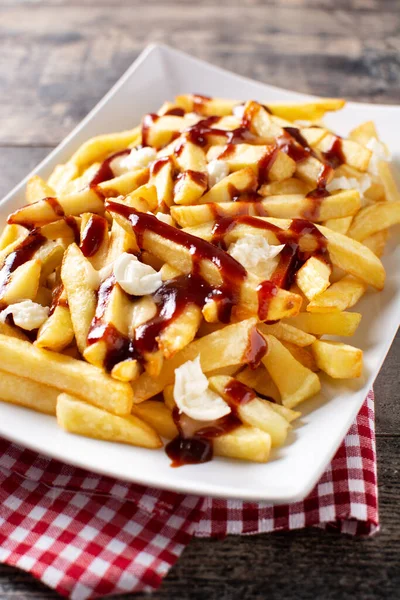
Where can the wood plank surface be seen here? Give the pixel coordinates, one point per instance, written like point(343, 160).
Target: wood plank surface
point(58, 58)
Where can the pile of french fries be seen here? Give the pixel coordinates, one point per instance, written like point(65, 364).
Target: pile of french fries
point(63, 368)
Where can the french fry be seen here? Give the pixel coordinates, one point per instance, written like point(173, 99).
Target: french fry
point(389, 185)
point(229, 346)
point(43, 211)
point(302, 355)
point(206, 106)
point(98, 148)
point(11, 234)
point(241, 156)
point(158, 416)
point(13, 332)
point(301, 384)
point(244, 443)
point(354, 154)
point(123, 184)
point(309, 111)
point(256, 412)
point(23, 283)
point(25, 392)
point(236, 183)
point(287, 333)
point(37, 189)
point(180, 332)
point(67, 374)
point(338, 360)
point(75, 274)
point(372, 219)
point(363, 133)
point(57, 332)
point(76, 416)
point(341, 225)
point(289, 186)
point(260, 380)
point(341, 295)
point(282, 206)
point(332, 323)
point(61, 176)
point(377, 242)
point(313, 277)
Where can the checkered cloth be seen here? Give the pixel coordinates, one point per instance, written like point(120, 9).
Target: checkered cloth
point(88, 536)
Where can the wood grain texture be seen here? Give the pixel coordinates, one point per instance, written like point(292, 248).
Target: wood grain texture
point(58, 58)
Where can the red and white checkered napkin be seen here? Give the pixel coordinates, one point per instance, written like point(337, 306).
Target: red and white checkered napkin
point(88, 536)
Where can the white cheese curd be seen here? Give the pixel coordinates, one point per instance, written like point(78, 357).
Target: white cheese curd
point(238, 111)
point(256, 254)
point(136, 159)
point(135, 277)
point(192, 395)
point(350, 183)
point(379, 152)
point(26, 314)
point(217, 170)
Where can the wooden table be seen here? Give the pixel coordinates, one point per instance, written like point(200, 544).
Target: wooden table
point(57, 58)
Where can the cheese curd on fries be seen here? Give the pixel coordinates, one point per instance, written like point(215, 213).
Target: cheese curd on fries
point(173, 283)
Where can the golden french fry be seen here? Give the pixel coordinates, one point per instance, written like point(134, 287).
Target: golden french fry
point(260, 380)
point(98, 148)
point(76, 272)
point(341, 225)
point(338, 360)
point(23, 283)
point(159, 416)
point(391, 191)
point(313, 277)
point(302, 355)
point(286, 333)
point(302, 382)
point(11, 234)
point(234, 184)
point(25, 392)
point(363, 133)
point(309, 111)
point(13, 332)
point(372, 219)
point(377, 242)
point(57, 332)
point(264, 160)
point(67, 374)
point(244, 443)
point(76, 416)
point(48, 210)
point(332, 323)
point(62, 176)
point(341, 295)
point(37, 189)
point(256, 412)
point(353, 153)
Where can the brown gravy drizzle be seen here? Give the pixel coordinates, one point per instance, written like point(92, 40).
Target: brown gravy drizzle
point(73, 225)
point(56, 298)
point(22, 253)
point(55, 205)
point(93, 235)
point(105, 172)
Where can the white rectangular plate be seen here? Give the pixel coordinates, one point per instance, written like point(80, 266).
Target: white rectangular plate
point(159, 74)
